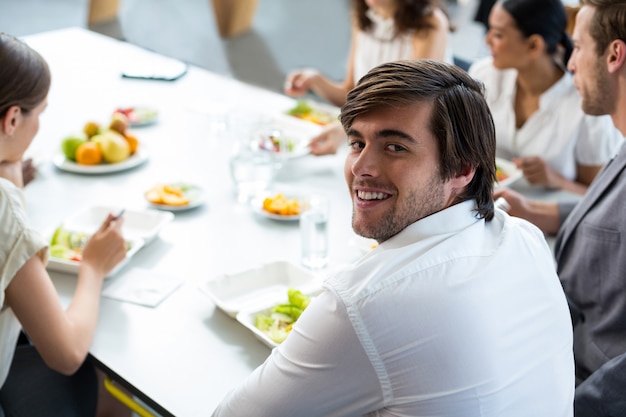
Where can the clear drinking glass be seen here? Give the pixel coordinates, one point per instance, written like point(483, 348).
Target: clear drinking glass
point(314, 232)
point(254, 164)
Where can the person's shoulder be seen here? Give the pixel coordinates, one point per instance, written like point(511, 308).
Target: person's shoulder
point(9, 192)
point(519, 227)
point(439, 20)
point(12, 202)
point(482, 68)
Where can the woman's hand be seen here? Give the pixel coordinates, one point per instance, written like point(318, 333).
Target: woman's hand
point(107, 247)
point(298, 83)
point(517, 203)
point(538, 172)
point(328, 141)
point(544, 215)
point(29, 171)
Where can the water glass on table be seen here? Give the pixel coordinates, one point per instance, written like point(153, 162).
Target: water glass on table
point(253, 166)
point(314, 232)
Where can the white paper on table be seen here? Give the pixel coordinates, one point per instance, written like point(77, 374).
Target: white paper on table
point(140, 286)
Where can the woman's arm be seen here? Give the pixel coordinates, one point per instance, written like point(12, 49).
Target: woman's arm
point(538, 172)
point(301, 81)
point(63, 337)
point(544, 215)
point(587, 173)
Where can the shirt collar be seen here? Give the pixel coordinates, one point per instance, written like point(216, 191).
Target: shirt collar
point(448, 221)
point(383, 28)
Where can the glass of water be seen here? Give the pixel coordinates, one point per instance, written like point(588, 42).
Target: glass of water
point(253, 165)
point(314, 232)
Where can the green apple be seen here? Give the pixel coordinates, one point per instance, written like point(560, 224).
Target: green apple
point(70, 144)
point(113, 145)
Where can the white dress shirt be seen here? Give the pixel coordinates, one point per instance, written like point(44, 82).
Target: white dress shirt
point(454, 316)
point(559, 131)
point(18, 243)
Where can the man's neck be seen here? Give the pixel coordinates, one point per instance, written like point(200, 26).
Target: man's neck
point(619, 115)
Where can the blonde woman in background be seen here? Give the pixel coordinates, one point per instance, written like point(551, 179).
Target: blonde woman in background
point(382, 31)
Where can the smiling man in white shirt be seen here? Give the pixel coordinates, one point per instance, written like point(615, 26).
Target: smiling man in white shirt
point(458, 311)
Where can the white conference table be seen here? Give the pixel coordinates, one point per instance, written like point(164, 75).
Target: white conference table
point(182, 356)
point(185, 354)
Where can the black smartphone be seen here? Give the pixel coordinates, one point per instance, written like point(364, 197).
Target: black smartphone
point(163, 69)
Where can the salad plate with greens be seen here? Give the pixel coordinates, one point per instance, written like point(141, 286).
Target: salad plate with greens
point(66, 250)
point(273, 322)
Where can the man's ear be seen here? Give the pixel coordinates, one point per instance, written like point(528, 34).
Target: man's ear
point(10, 120)
point(616, 56)
point(463, 178)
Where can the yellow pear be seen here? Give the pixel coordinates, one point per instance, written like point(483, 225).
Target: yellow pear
point(113, 145)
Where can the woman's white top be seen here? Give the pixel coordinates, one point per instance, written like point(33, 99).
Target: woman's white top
point(380, 44)
point(559, 131)
point(19, 243)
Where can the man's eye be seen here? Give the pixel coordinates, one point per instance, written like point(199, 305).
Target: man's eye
point(356, 145)
point(396, 148)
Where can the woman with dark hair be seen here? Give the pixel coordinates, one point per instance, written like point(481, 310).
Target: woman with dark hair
point(50, 376)
point(382, 31)
point(536, 109)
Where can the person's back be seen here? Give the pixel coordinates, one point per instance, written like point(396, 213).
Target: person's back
point(475, 325)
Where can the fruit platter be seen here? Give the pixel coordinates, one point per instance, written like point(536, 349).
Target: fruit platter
point(139, 115)
point(175, 196)
point(313, 112)
point(279, 206)
point(99, 148)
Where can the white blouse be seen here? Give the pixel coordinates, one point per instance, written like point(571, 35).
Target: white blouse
point(559, 131)
point(18, 244)
point(380, 44)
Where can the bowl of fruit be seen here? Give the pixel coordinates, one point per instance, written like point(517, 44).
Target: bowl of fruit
point(101, 148)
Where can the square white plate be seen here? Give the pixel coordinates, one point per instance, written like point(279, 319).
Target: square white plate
point(138, 224)
point(140, 228)
point(247, 317)
point(258, 287)
point(71, 267)
point(510, 170)
point(327, 111)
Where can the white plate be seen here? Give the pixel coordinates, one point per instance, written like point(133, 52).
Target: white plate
point(328, 112)
point(257, 207)
point(64, 164)
point(194, 194)
point(258, 287)
point(512, 172)
point(68, 266)
point(138, 224)
point(142, 115)
point(247, 317)
point(297, 131)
